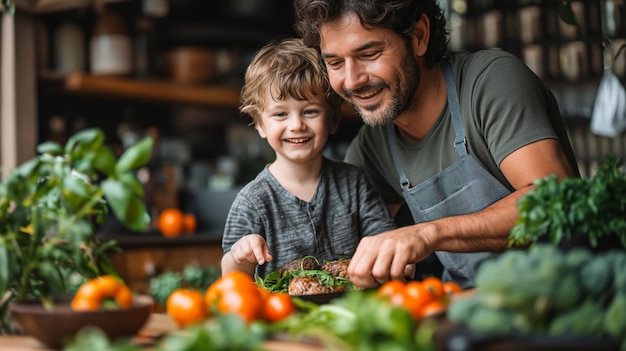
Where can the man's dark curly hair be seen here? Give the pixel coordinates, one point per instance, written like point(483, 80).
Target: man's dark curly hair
point(399, 16)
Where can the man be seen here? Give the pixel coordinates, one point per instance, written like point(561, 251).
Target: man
point(458, 137)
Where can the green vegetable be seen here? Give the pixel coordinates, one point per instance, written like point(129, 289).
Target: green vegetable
point(223, 333)
point(558, 209)
point(192, 276)
point(615, 318)
point(597, 276)
point(362, 321)
point(94, 339)
point(586, 320)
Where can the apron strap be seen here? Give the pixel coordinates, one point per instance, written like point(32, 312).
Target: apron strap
point(404, 180)
point(455, 110)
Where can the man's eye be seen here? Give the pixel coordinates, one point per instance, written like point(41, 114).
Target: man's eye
point(334, 64)
point(370, 55)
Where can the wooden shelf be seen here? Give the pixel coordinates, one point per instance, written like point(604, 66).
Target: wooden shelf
point(144, 90)
point(149, 90)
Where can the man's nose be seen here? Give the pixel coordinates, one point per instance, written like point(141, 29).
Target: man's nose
point(355, 76)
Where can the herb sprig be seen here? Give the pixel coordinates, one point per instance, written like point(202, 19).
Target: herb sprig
point(558, 209)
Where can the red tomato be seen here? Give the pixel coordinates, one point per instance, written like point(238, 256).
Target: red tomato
point(277, 306)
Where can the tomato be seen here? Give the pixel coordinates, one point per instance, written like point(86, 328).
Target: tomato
point(435, 285)
point(277, 306)
point(245, 304)
point(416, 296)
point(186, 307)
point(190, 224)
point(393, 290)
point(451, 288)
point(432, 308)
point(171, 222)
point(226, 293)
point(92, 293)
point(264, 292)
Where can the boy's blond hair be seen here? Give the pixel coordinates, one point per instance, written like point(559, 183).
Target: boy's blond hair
point(290, 69)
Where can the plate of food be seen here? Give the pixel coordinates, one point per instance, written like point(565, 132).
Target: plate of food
point(310, 280)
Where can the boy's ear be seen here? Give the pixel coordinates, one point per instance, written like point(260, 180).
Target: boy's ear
point(259, 128)
point(334, 123)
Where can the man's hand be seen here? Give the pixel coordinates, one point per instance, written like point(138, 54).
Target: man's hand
point(387, 256)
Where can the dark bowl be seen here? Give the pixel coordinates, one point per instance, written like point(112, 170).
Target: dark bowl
point(55, 326)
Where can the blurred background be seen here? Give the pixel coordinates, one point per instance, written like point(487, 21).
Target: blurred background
point(172, 69)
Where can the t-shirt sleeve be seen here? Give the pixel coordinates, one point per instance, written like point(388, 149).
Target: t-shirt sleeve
point(242, 220)
point(511, 106)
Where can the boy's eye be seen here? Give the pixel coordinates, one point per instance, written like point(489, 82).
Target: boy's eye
point(280, 114)
point(311, 112)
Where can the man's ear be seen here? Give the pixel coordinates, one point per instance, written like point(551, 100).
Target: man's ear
point(421, 36)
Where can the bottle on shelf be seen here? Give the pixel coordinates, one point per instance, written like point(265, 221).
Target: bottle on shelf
point(110, 45)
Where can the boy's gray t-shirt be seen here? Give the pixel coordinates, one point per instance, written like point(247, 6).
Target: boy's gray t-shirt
point(344, 208)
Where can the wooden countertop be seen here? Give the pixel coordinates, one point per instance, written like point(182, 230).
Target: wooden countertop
point(157, 324)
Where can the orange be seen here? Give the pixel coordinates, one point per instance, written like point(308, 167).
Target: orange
point(277, 306)
point(171, 222)
point(435, 285)
point(92, 293)
point(186, 307)
point(190, 224)
point(124, 297)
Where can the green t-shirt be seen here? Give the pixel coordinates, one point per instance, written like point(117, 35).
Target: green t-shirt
point(504, 107)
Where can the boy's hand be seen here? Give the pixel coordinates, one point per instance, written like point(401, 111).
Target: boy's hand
point(251, 248)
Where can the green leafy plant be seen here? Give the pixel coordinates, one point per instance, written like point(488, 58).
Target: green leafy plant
point(50, 208)
point(192, 276)
point(555, 209)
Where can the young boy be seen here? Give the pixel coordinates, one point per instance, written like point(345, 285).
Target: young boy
point(302, 204)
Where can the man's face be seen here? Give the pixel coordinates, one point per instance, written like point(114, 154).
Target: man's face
point(372, 69)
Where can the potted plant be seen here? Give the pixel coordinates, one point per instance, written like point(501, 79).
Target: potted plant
point(576, 211)
point(50, 207)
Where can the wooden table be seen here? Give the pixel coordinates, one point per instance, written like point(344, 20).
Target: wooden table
point(157, 324)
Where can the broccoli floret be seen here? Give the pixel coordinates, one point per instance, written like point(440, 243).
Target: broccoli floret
point(577, 258)
point(492, 320)
point(462, 309)
point(162, 286)
point(566, 293)
point(615, 318)
point(586, 320)
point(597, 275)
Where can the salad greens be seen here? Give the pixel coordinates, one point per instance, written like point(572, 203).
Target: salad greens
point(277, 282)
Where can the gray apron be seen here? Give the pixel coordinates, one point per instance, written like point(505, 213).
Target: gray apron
point(461, 188)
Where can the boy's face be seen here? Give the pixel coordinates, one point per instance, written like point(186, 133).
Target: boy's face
point(296, 130)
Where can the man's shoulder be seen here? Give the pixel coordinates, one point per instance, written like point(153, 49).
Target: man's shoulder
point(479, 60)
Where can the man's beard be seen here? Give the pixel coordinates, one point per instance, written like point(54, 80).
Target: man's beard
point(400, 100)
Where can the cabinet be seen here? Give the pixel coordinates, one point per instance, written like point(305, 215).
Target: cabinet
point(146, 256)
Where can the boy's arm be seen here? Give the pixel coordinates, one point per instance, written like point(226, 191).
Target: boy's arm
point(229, 265)
point(245, 254)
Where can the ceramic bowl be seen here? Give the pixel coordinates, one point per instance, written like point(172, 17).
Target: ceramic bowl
point(55, 326)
